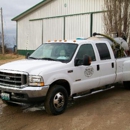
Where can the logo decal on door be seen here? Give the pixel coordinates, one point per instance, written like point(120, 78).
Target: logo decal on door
point(89, 71)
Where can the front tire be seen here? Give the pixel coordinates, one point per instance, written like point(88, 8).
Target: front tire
point(57, 100)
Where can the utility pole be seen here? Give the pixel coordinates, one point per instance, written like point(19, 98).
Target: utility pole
point(2, 32)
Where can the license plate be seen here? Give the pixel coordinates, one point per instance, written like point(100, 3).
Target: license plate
point(5, 96)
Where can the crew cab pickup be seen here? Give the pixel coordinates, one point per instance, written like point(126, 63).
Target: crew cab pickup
point(59, 70)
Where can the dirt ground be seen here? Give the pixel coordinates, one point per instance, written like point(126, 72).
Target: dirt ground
point(109, 110)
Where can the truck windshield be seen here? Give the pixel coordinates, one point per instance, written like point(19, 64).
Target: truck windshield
point(55, 51)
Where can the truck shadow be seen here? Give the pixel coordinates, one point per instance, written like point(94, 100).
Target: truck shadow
point(81, 104)
point(98, 100)
point(100, 107)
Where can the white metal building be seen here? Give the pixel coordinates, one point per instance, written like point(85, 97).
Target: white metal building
point(58, 19)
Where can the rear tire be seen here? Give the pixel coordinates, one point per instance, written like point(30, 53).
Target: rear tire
point(57, 100)
point(126, 85)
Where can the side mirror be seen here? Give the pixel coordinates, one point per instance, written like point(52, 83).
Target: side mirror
point(78, 62)
point(86, 60)
point(27, 55)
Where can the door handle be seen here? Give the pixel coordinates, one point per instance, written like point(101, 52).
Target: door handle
point(112, 65)
point(98, 67)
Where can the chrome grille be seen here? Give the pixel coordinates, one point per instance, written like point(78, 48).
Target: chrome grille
point(13, 79)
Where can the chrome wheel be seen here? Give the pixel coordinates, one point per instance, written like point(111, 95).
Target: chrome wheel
point(58, 100)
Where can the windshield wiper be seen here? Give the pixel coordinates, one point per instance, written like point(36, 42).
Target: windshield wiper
point(32, 58)
point(42, 58)
point(47, 59)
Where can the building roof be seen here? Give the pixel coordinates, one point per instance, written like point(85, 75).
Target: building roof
point(35, 7)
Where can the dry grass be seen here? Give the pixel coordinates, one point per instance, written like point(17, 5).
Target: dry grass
point(9, 57)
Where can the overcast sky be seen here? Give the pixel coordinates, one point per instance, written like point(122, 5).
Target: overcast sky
point(12, 8)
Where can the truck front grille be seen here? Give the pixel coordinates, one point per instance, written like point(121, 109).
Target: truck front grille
point(13, 79)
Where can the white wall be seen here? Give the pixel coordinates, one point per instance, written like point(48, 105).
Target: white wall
point(32, 33)
point(52, 29)
point(65, 7)
point(98, 25)
point(77, 26)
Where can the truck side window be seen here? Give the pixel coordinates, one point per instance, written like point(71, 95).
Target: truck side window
point(86, 49)
point(103, 51)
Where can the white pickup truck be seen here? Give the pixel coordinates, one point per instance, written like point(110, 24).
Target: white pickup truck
point(59, 70)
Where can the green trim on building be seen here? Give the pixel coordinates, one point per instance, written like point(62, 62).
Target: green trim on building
point(17, 34)
point(91, 24)
point(68, 15)
point(42, 32)
point(64, 20)
point(64, 28)
point(24, 52)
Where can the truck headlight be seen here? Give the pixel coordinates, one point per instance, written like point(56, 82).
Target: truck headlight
point(36, 80)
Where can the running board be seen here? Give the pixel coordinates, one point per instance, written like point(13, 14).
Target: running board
point(91, 93)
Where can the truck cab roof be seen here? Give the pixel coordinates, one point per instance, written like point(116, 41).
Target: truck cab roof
point(77, 41)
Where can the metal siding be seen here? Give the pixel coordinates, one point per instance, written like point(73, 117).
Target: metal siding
point(77, 26)
point(57, 8)
point(98, 25)
point(23, 32)
point(53, 29)
point(35, 35)
point(29, 33)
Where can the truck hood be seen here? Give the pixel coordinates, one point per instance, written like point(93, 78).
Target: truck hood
point(31, 66)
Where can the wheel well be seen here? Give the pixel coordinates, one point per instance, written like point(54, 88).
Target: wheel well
point(63, 83)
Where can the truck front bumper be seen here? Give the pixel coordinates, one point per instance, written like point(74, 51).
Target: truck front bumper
point(24, 95)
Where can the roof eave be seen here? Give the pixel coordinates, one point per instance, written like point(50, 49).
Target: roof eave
point(35, 7)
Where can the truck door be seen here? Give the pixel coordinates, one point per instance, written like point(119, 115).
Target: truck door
point(86, 77)
point(106, 64)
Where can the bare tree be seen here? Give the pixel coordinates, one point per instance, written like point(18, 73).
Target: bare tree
point(6, 44)
point(0, 38)
point(117, 17)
